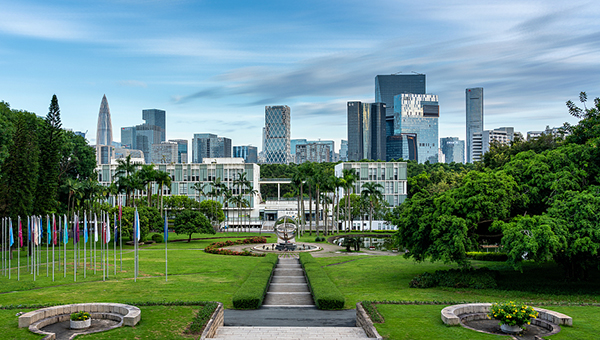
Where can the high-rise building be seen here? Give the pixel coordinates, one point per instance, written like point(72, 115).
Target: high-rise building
point(204, 145)
point(164, 153)
point(277, 132)
point(344, 151)
point(247, 152)
point(483, 140)
point(313, 152)
point(156, 117)
point(145, 136)
point(388, 86)
point(453, 149)
point(128, 137)
point(474, 110)
point(104, 138)
point(366, 131)
point(224, 144)
point(403, 146)
point(418, 114)
point(182, 150)
point(329, 143)
point(510, 132)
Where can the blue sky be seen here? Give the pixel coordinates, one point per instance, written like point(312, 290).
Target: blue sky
point(214, 65)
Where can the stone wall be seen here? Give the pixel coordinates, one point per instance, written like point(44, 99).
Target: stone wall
point(216, 321)
point(363, 320)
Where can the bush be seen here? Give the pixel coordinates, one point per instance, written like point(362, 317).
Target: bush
point(457, 278)
point(158, 238)
point(202, 318)
point(324, 292)
point(215, 248)
point(512, 314)
point(252, 292)
point(481, 256)
point(80, 316)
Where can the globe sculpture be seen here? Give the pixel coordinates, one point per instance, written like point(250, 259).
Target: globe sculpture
point(285, 229)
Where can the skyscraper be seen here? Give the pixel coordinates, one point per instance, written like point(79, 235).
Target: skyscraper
point(128, 137)
point(474, 110)
point(104, 138)
point(104, 131)
point(453, 149)
point(145, 136)
point(182, 150)
point(388, 86)
point(156, 117)
point(366, 131)
point(204, 145)
point(247, 152)
point(418, 114)
point(277, 132)
point(224, 145)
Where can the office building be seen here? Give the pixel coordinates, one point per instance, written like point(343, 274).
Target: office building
point(313, 152)
point(137, 156)
point(388, 86)
point(128, 137)
point(158, 118)
point(329, 143)
point(277, 132)
point(391, 175)
point(483, 140)
point(104, 138)
point(247, 152)
point(224, 147)
point(510, 132)
point(164, 153)
point(204, 145)
point(418, 114)
point(145, 136)
point(474, 111)
point(344, 151)
point(403, 146)
point(453, 149)
point(182, 150)
point(366, 131)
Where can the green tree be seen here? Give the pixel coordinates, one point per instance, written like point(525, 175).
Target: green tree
point(213, 210)
point(51, 142)
point(189, 222)
point(372, 193)
point(124, 177)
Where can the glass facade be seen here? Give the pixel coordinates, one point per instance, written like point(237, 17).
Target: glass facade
point(403, 146)
point(418, 114)
point(474, 111)
point(453, 149)
point(388, 86)
point(277, 132)
point(145, 136)
point(128, 137)
point(391, 175)
point(366, 131)
point(158, 118)
point(104, 129)
point(247, 152)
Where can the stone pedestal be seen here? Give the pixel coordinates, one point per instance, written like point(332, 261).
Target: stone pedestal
point(81, 324)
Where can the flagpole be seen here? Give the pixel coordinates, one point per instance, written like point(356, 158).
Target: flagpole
point(102, 246)
point(53, 241)
point(166, 237)
point(115, 244)
point(19, 252)
point(28, 243)
point(84, 243)
point(121, 239)
point(9, 245)
point(95, 240)
point(135, 246)
point(65, 240)
point(3, 239)
point(33, 257)
point(74, 250)
point(47, 243)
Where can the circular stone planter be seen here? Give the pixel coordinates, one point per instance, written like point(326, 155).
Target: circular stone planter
point(80, 324)
point(508, 329)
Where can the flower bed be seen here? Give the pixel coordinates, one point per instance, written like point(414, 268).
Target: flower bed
point(512, 314)
point(216, 248)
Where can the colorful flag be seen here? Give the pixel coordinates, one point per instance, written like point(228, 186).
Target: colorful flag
point(76, 229)
point(41, 231)
point(107, 229)
point(85, 229)
point(53, 229)
point(10, 231)
point(29, 229)
point(120, 209)
point(95, 228)
point(49, 232)
point(35, 231)
point(20, 232)
point(166, 231)
point(137, 225)
point(66, 232)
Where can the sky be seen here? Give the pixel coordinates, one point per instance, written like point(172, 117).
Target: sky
point(215, 65)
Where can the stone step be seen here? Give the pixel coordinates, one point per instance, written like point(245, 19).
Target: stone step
point(290, 333)
point(288, 272)
point(288, 299)
point(291, 265)
point(288, 287)
point(288, 279)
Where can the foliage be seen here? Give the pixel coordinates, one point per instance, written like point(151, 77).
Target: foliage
point(484, 256)
point(50, 143)
point(201, 318)
point(371, 310)
point(189, 222)
point(215, 248)
point(213, 210)
point(80, 316)
point(325, 293)
point(158, 238)
point(252, 292)
point(149, 220)
point(180, 202)
point(458, 278)
point(512, 314)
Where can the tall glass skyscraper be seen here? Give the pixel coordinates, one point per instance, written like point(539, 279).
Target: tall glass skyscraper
point(277, 133)
point(388, 86)
point(474, 109)
point(247, 152)
point(158, 118)
point(453, 149)
point(104, 129)
point(366, 131)
point(182, 150)
point(419, 114)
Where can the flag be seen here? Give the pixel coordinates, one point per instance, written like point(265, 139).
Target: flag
point(120, 209)
point(166, 236)
point(20, 232)
point(28, 229)
point(41, 231)
point(53, 229)
point(85, 229)
point(95, 228)
point(103, 231)
point(35, 231)
point(137, 225)
point(10, 232)
point(76, 229)
point(66, 230)
point(49, 233)
point(107, 229)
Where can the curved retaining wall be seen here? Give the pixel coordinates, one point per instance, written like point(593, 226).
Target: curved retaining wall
point(450, 314)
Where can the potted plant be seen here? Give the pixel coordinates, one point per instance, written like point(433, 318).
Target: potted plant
point(512, 316)
point(80, 320)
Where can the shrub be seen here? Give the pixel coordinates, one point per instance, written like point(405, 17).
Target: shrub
point(215, 248)
point(458, 278)
point(252, 292)
point(202, 318)
point(513, 314)
point(324, 292)
point(481, 256)
point(80, 316)
point(158, 238)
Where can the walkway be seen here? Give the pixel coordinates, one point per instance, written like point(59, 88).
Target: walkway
point(288, 285)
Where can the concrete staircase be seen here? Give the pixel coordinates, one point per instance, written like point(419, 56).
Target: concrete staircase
point(288, 285)
point(290, 333)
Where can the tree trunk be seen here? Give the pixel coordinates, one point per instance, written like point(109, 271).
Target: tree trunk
point(310, 211)
point(317, 211)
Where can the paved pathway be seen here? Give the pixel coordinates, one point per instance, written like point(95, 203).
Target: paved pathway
point(288, 285)
point(290, 333)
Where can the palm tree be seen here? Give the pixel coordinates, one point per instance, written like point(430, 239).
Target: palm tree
point(218, 189)
point(349, 179)
point(73, 187)
point(148, 175)
point(298, 179)
point(201, 188)
point(337, 183)
point(372, 194)
point(163, 178)
point(125, 169)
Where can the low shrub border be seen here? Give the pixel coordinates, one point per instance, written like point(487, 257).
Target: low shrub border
point(201, 318)
point(324, 292)
point(483, 256)
point(458, 278)
point(252, 292)
point(215, 248)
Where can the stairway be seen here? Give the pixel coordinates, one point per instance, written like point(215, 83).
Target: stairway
point(291, 333)
point(288, 285)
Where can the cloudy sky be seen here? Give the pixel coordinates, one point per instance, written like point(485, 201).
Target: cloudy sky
point(213, 65)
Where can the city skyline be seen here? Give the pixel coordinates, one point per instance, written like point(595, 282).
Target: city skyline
point(214, 66)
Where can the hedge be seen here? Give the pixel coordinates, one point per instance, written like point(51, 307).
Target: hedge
point(458, 278)
point(324, 292)
point(481, 256)
point(216, 247)
point(252, 292)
